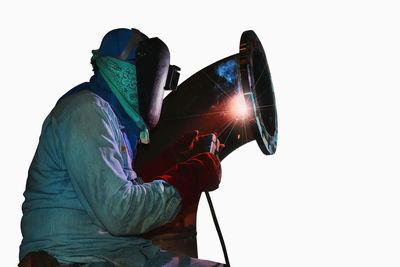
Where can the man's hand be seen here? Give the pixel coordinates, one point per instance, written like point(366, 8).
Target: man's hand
point(185, 148)
point(197, 174)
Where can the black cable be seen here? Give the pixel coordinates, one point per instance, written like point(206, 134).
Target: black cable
point(221, 238)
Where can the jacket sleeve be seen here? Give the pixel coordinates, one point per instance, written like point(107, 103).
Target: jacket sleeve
point(92, 154)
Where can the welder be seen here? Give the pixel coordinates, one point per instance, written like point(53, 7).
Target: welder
point(85, 202)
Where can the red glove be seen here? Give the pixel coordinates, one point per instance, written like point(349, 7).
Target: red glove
point(197, 174)
point(178, 152)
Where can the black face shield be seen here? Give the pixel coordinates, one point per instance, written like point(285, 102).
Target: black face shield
point(154, 75)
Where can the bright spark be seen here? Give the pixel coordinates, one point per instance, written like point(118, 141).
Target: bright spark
point(239, 107)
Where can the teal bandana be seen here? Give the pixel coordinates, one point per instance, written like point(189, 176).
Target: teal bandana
point(121, 78)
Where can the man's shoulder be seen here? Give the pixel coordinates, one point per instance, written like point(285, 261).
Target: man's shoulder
point(83, 101)
point(84, 98)
point(83, 104)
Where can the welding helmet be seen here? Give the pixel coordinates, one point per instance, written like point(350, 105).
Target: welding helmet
point(154, 73)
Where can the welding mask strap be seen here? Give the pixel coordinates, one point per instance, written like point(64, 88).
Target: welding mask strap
point(136, 38)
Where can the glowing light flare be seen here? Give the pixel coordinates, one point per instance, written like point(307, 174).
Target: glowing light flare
point(239, 107)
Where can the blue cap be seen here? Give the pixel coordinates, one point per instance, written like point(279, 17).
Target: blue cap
point(115, 41)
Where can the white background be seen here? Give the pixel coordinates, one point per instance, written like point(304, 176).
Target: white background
point(331, 194)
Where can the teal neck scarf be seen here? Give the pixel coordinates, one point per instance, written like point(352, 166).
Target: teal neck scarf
point(121, 78)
